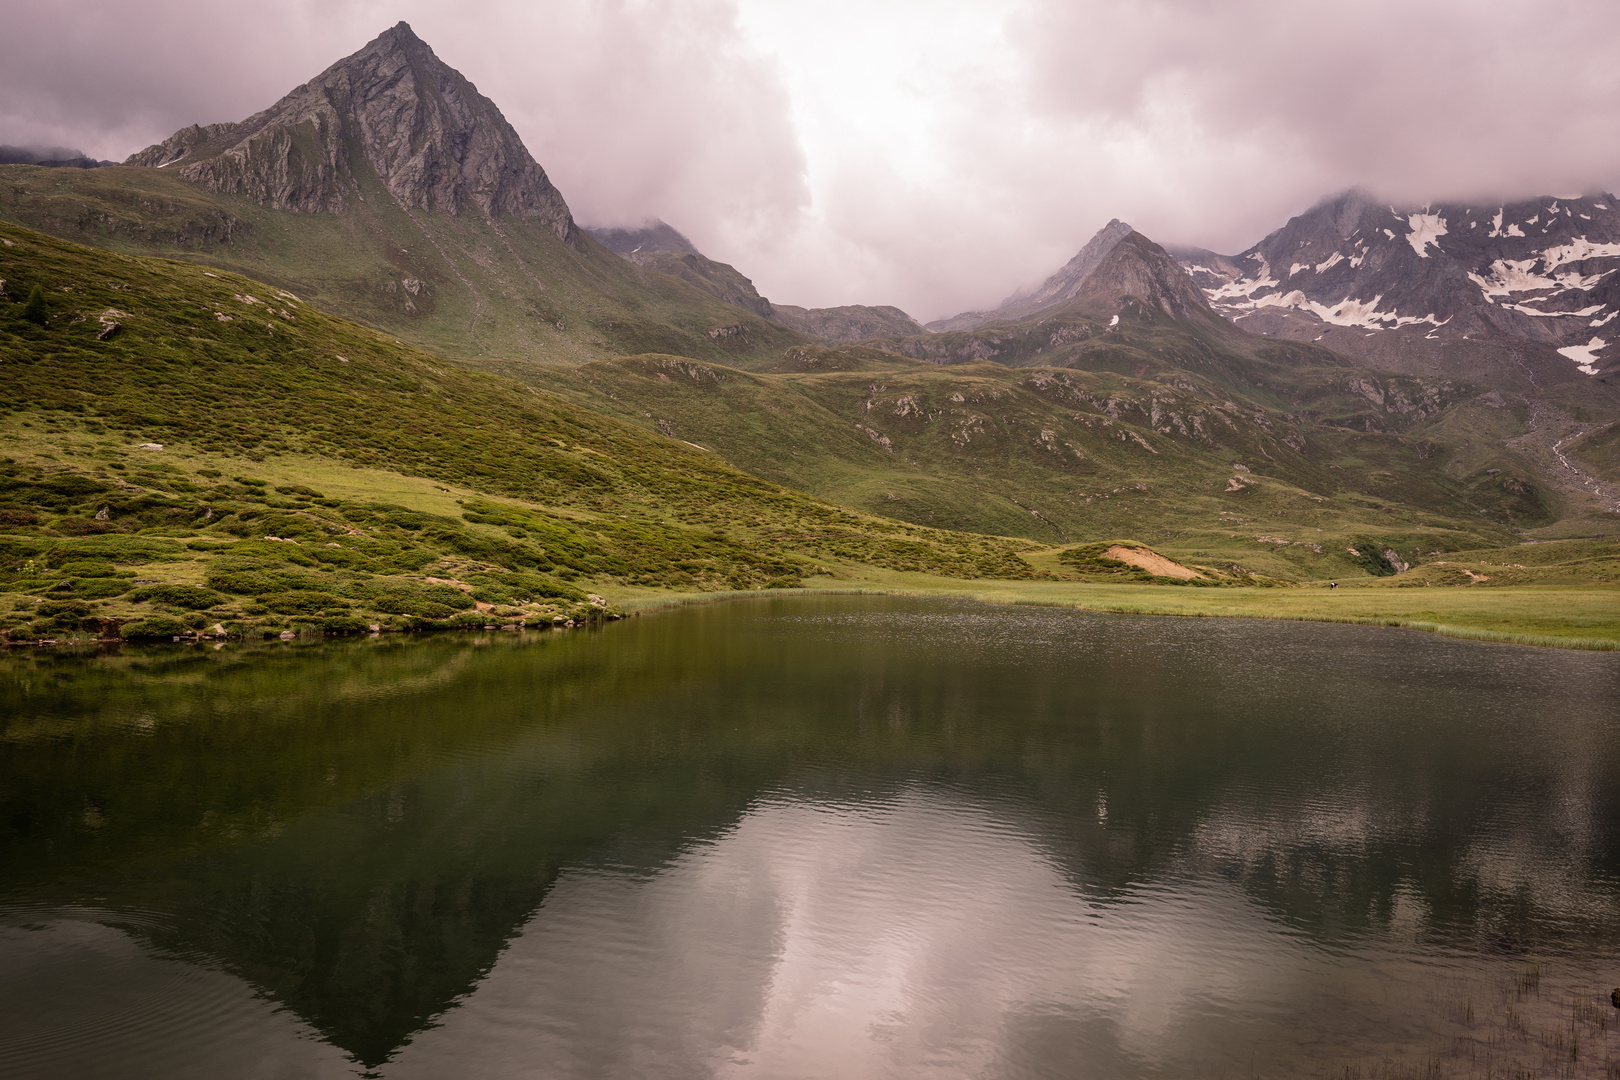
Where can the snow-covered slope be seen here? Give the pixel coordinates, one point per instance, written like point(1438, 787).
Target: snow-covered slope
point(1540, 273)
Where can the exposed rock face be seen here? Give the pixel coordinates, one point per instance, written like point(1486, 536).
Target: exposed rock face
point(1060, 288)
point(1534, 273)
point(394, 109)
point(1135, 266)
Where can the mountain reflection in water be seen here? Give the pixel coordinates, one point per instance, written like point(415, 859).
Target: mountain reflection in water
point(806, 837)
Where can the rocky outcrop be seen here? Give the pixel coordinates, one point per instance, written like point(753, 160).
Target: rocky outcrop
point(393, 110)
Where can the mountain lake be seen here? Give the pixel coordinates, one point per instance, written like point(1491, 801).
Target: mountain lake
point(794, 836)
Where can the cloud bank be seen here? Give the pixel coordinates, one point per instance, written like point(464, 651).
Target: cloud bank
point(894, 151)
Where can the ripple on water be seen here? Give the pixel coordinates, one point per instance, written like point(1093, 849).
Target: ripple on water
point(99, 1003)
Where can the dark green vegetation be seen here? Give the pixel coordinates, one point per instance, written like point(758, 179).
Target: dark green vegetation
point(221, 377)
point(462, 286)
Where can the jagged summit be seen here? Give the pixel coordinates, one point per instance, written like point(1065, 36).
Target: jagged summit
point(1060, 288)
point(1065, 284)
point(1134, 266)
point(393, 109)
point(1115, 263)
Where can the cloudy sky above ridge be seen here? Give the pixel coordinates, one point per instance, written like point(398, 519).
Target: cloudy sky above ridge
point(933, 156)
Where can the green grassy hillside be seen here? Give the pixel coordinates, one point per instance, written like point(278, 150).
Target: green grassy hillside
point(1061, 456)
point(189, 448)
point(459, 285)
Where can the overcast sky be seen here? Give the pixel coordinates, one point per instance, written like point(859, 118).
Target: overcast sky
point(930, 155)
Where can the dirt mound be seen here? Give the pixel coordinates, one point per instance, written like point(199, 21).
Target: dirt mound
point(1152, 562)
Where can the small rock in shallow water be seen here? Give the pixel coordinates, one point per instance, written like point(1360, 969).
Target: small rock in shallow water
point(287, 635)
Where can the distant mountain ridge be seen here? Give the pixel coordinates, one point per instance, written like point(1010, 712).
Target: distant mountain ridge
point(50, 157)
point(432, 139)
point(1352, 271)
point(1057, 289)
point(659, 246)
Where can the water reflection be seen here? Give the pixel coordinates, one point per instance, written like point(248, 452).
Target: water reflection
point(845, 837)
point(918, 936)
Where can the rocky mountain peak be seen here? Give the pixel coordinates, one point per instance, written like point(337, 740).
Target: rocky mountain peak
point(1060, 288)
point(1116, 262)
point(392, 111)
point(1065, 284)
point(1135, 266)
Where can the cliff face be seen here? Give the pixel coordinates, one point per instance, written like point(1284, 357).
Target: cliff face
point(393, 108)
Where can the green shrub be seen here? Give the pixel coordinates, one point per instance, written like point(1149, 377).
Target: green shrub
point(299, 489)
point(34, 309)
point(303, 602)
point(1369, 555)
point(255, 577)
point(88, 568)
point(157, 626)
point(343, 624)
point(118, 549)
point(428, 601)
point(510, 588)
point(190, 597)
point(100, 588)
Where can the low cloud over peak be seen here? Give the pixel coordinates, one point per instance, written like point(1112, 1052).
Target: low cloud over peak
point(893, 151)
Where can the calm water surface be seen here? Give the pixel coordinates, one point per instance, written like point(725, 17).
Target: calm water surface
point(836, 837)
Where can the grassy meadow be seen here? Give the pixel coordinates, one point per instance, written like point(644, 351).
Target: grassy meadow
point(185, 452)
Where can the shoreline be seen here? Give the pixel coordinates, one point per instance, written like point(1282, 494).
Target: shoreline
point(1112, 599)
point(997, 595)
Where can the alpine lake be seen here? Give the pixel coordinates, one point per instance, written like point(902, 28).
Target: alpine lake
point(793, 836)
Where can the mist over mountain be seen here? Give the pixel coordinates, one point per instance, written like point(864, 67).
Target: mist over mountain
point(655, 236)
point(56, 157)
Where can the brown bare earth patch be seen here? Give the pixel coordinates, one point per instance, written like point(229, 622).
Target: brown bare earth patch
point(1152, 562)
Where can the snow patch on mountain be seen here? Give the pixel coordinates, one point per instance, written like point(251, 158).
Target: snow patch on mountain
point(1347, 312)
point(1585, 356)
point(1578, 250)
point(1426, 229)
point(1511, 276)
